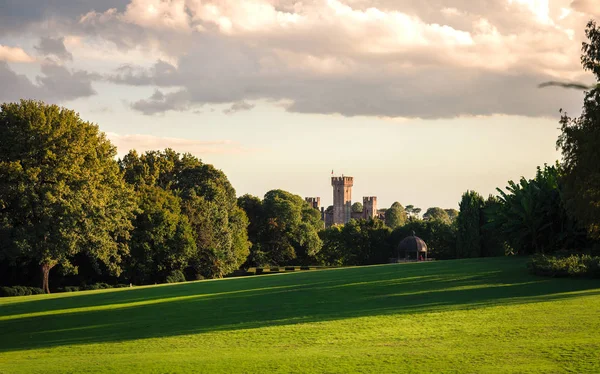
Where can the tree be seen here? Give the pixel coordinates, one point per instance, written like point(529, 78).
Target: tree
point(61, 191)
point(437, 214)
point(359, 242)
point(395, 216)
point(530, 214)
point(207, 199)
point(357, 207)
point(289, 228)
point(469, 223)
point(452, 214)
point(162, 240)
point(580, 145)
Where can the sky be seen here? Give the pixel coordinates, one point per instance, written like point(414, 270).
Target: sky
point(418, 100)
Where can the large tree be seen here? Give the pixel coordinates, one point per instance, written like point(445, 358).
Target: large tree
point(162, 240)
point(284, 228)
point(207, 199)
point(61, 191)
point(395, 216)
point(437, 214)
point(469, 222)
point(531, 216)
point(580, 145)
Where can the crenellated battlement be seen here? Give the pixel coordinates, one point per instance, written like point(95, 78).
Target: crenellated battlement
point(369, 199)
point(315, 202)
point(342, 181)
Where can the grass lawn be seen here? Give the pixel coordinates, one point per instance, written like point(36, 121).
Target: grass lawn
point(465, 316)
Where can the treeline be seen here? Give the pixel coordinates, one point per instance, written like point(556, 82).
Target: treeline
point(69, 208)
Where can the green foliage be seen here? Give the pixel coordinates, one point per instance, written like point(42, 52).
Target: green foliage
point(20, 291)
point(469, 222)
point(61, 191)
point(493, 241)
point(395, 216)
point(95, 286)
point(452, 214)
point(531, 216)
point(439, 236)
point(357, 207)
point(162, 240)
point(574, 265)
point(437, 214)
point(176, 276)
point(361, 242)
point(580, 145)
point(284, 229)
point(218, 225)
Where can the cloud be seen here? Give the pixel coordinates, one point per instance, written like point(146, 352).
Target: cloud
point(143, 143)
point(587, 6)
point(387, 58)
point(240, 106)
point(53, 47)
point(14, 54)
point(56, 84)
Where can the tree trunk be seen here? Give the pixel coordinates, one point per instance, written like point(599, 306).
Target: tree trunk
point(45, 277)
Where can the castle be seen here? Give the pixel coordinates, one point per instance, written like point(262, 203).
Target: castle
point(341, 211)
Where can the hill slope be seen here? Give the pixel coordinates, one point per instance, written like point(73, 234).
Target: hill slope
point(484, 315)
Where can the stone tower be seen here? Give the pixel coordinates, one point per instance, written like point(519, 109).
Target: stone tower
point(342, 199)
point(315, 202)
point(369, 207)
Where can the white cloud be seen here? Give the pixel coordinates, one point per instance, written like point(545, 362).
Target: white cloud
point(14, 54)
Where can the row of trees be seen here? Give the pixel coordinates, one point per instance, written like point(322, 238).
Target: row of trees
point(67, 203)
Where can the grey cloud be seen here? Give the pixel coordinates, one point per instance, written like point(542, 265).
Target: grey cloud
point(55, 85)
point(219, 71)
point(160, 74)
point(160, 102)
point(17, 15)
point(240, 106)
point(54, 47)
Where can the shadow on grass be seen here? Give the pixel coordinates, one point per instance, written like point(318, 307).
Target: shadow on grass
point(276, 300)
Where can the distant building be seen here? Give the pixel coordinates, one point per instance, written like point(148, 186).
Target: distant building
point(341, 210)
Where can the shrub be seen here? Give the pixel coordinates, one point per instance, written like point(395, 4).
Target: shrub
point(20, 291)
point(69, 289)
point(259, 271)
point(274, 268)
point(290, 268)
point(565, 265)
point(121, 285)
point(304, 268)
point(95, 286)
point(176, 276)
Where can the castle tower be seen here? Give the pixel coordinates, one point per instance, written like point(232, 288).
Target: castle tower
point(342, 199)
point(315, 202)
point(369, 207)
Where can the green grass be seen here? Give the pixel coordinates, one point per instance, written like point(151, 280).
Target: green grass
point(484, 315)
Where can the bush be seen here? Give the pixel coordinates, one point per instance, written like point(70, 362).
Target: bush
point(565, 265)
point(95, 286)
point(259, 271)
point(175, 277)
point(290, 268)
point(304, 267)
point(274, 269)
point(20, 291)
point(121, 285)
point(69, 289)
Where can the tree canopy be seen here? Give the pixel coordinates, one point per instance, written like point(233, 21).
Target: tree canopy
point(61, 190)
point(580, 145)
point(395, 216)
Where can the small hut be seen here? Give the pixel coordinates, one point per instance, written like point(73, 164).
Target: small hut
point(412, 248)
